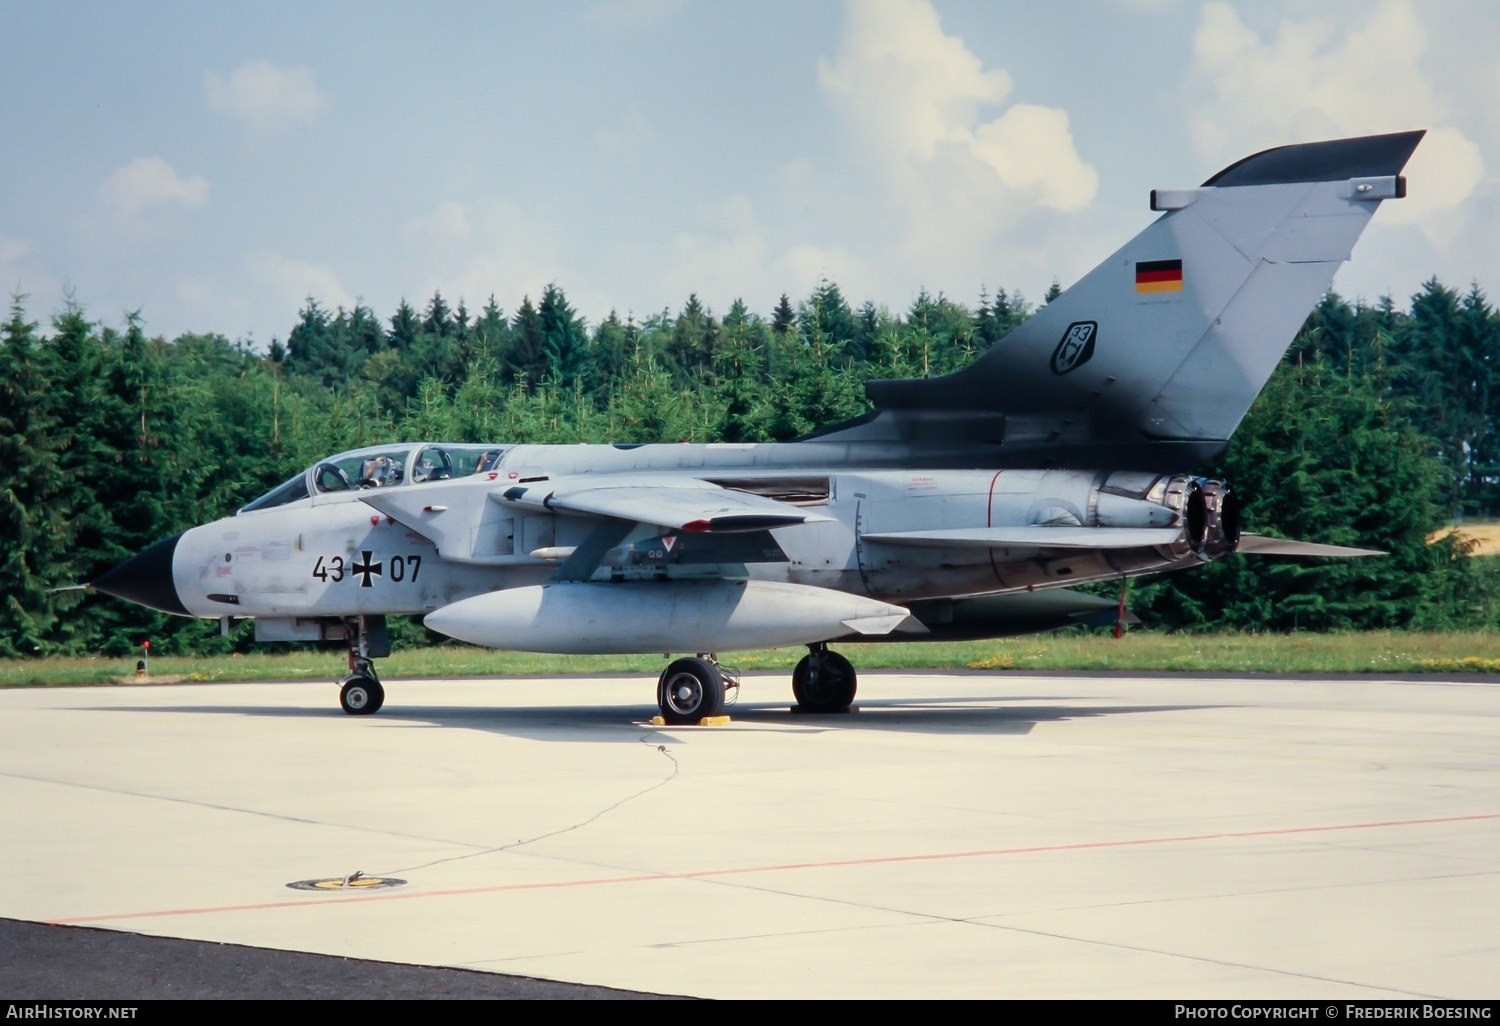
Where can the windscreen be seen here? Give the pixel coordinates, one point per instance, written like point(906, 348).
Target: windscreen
point(290, 491)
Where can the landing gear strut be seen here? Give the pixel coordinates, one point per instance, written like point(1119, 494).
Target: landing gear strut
point(824, 681)
point(692, 688)
point(361, 693)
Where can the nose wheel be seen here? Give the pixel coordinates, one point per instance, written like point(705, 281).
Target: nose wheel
point(361, 695)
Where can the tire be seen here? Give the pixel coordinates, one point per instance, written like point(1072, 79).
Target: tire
point(361, 696)
point(690, 690)
point(829, 690)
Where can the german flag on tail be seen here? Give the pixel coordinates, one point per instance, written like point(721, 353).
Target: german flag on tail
point(1158, 276)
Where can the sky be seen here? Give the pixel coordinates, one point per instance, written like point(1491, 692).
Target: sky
point(214, 166)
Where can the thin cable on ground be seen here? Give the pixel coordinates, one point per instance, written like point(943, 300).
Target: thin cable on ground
point(521, 842)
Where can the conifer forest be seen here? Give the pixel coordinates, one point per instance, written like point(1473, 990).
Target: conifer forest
point(1378, 430)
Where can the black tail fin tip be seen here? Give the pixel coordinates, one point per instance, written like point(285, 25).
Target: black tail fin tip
point(1370, 156)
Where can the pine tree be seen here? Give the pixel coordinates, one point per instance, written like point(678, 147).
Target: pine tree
point(527, 359)
point(694, 336)
point(827, 312)
point(490, 333)
point(565, 337)
point(34, 527)
point(996, 319)
point(784, 316)
point(1435, 373)
point(364, 331)
point(611, 353)
point(437, 320)
point(738, 393)
point(869, 321)
point(320, 347)
point(404, 328)
point(479, 399)
point(1480, 344)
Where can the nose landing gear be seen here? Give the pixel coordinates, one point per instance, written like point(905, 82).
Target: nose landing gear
point(361, 693)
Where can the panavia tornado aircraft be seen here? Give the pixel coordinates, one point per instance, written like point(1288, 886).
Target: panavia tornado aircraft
point(960, 507)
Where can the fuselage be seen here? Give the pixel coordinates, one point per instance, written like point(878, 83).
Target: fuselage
point(329, 553)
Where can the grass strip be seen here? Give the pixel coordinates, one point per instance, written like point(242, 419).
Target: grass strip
point(1378, 652)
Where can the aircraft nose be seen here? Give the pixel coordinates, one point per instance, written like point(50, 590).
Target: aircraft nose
point(146, 578)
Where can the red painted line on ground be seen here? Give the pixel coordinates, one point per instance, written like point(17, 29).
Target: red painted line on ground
point(783, 867)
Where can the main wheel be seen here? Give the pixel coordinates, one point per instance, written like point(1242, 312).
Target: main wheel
point(361, 696)
point(824, 682)
point(690, 690)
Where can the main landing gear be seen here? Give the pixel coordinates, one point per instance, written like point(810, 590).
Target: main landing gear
point(824, 681)
point(361, 693)
point(693, 688)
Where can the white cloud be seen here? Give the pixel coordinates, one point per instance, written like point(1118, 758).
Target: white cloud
point(293, 281)
point(905, 81)
point(263, 95)
point(917, 94)
point(942, 183)
point(151, 181)
point(1322, 78)
point(945, 184)
point(1031, 150)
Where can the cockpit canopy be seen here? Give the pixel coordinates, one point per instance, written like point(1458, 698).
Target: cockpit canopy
point(382, 466)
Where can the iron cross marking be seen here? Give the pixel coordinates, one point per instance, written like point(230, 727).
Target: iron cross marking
point(364, 568)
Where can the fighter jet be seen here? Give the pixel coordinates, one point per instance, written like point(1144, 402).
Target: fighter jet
point(961, 507)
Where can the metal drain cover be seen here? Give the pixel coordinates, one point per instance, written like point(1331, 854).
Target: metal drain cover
point(352, 882)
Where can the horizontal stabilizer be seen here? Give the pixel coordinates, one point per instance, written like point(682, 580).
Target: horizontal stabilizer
point(1260, 545)
point(1033, 537)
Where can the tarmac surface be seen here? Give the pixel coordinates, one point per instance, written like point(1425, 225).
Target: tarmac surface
point(962, 835)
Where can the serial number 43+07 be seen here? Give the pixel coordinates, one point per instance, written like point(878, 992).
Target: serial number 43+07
point(334, 569)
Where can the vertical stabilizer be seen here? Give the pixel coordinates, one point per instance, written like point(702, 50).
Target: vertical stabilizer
point(1170, 339)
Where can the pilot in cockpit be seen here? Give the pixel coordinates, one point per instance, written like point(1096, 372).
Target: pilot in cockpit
point(379, 472)
point(430, 467)
point(489, 461)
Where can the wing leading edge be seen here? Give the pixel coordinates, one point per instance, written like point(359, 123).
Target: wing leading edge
point(678, 503)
